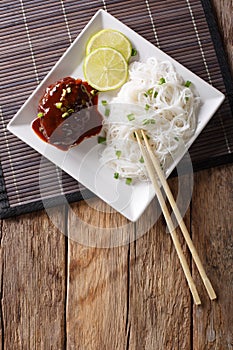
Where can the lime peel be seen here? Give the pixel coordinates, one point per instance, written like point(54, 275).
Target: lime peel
point(110, 38)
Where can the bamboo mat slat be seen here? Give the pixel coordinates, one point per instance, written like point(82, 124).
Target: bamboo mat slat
point(34, 35)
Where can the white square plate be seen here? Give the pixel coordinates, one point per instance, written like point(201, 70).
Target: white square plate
point(82, 162)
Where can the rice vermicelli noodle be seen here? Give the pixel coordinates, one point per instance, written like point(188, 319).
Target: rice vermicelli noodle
point(158, 100)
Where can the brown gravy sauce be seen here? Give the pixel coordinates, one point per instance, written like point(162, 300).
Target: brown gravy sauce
point(67, 113)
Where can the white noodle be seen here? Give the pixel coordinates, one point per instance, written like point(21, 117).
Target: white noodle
point(165, 108)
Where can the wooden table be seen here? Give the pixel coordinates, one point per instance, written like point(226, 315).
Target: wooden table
point(59, 294)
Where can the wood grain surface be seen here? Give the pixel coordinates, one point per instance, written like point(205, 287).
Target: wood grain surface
point(33, 290)
point(128, 297)
point(212, 229)
point(97, 308)
point(87, 292)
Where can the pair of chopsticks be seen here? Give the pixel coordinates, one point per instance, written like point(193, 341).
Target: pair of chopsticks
point(153, 167)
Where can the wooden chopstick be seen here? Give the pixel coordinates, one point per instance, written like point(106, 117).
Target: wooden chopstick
point(169, 222)
point(184, 230)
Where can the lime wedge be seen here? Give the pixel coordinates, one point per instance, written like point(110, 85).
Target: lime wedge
point(110, 38)
point(105, 69)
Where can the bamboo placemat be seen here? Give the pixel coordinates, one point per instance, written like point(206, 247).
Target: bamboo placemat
point(34, 35)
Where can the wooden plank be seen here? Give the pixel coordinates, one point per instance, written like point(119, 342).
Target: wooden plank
point(129, 297)
point(160, 313)
point(212, 220)
point(33, 282)
point(97, 310)
point(212, 233)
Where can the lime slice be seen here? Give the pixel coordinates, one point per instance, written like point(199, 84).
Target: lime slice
point(105, 69)
point(110, 38)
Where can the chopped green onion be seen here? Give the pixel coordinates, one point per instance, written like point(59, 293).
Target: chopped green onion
point(116, 175)
point(155, 94)
point(107, 112)
point(130, 117)
point(64, 115)
point(70, 111)
point(145, 94)
point(150, 91)
point(147, 107)
point(141, 160)
point(101, 139)
point(128, 181)
point(188, 83)
point(118, 154)
point(83, 88)
point(162, 81)
point(93, 92)
point(176, 138)
point(148, 121)
point(134, 52)
point(186, 98)
point(58, 105)
point(63, 93)
point(40, 114)
point(104, 102)
point(68, 90)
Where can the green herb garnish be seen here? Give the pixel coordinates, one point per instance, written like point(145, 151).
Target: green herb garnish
point(162, 81)
point(130, 117)
point(104, 102)
point(107, 112)
point(128, 181)
point(58, 105)
point(83, 88)
point(116, 175)
point(118, 153)
point(93, 92)
point(64, 115)
point(188, 83)
point(147, 107)
point(101, 139)
point(150, 91)
point(148, 121)
point(63, 93)
point(40, 114)
point(141, 160)
point(134, 52)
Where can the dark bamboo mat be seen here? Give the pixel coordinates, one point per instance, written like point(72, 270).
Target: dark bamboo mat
point(34, 34)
